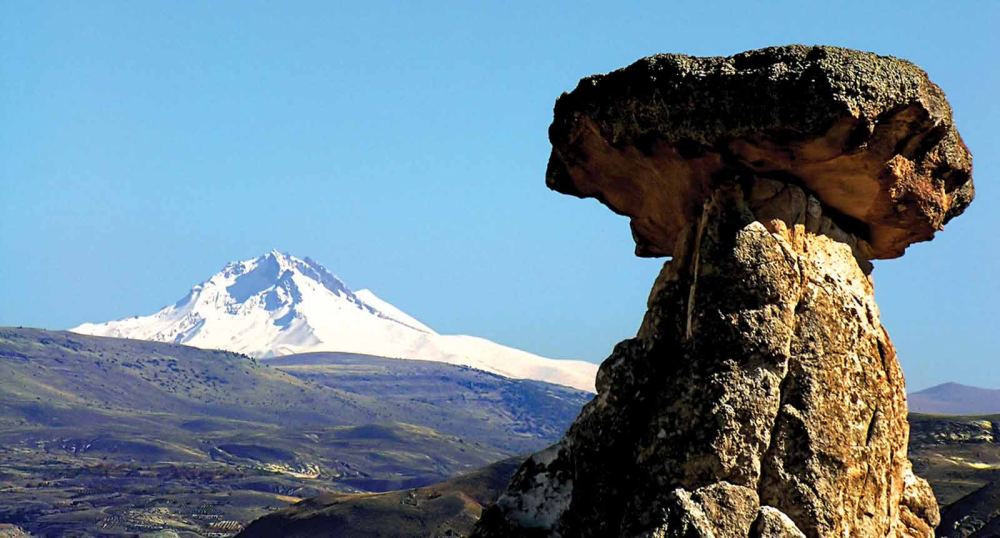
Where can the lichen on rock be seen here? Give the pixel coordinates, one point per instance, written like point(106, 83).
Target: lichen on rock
point(761, 395)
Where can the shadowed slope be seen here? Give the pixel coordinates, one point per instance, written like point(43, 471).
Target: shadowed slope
point(447, 509)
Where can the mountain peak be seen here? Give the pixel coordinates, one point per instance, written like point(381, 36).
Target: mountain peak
point(277, 269)
point(279, 304)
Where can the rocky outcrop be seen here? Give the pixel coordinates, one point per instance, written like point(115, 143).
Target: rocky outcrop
point(761, 395)
point(870, 136)
point(11, 531)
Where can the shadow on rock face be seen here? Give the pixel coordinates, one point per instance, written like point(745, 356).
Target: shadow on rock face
point(871, 137)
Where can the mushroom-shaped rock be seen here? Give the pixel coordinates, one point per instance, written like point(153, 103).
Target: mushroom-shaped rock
point(761, 396)
point(871, 137)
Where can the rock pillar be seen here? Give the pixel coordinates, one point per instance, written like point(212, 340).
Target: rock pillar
point(761, 395)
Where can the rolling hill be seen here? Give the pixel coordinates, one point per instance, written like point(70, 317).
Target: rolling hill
point(955, 399)
point(116, 437)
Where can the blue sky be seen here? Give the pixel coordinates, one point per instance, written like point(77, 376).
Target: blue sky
point(403, 145)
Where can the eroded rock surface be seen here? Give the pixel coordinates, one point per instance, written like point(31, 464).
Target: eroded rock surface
point(870, 136)
point(761, 395)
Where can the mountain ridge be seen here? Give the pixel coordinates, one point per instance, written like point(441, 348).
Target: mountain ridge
point(955, 399)
point(277, 304)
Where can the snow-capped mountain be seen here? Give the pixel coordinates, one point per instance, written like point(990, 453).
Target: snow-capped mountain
point(277, 304)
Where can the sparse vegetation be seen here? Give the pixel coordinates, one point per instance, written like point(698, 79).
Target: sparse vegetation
point(120, 437)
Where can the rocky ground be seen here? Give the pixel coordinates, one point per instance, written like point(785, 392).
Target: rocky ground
point(959, 456)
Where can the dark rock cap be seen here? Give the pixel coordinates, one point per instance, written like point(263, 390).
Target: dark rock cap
point(870, 136)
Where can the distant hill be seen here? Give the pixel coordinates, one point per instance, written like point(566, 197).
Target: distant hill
point(277, 304)
point(128, 436)
point(955, 399)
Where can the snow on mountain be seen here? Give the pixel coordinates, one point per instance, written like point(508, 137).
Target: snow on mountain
point(369, 298)
point(277, 304)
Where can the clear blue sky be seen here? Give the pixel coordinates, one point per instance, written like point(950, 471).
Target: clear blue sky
point(403, 145)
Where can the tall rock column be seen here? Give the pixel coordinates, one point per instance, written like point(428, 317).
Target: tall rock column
point(761, 395)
